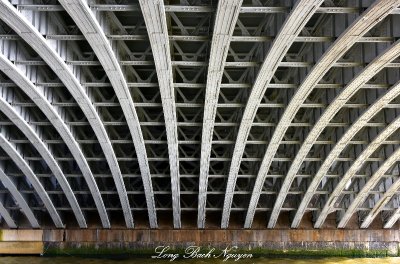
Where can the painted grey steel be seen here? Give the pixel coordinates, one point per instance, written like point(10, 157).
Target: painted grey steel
point(48, 157)
point(95, 35)
point(30, 34)
point(106, 46)
point(19, 198)
point(342, 143)
point(392, 159)
point(379, 207)
point(7, 217)
point(292, 27)
point(227, 14)
point(363, 194)
point(18, 159)
point(198, 8)
point(372, 16)
point(39, 98)
point(354, 86)
point(156, 25)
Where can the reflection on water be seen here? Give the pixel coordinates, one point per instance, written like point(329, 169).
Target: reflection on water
point(74, 260)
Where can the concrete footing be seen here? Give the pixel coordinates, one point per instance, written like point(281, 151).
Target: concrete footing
point(326, 242)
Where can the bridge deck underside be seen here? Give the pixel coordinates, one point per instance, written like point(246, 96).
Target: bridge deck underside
point(190, 25)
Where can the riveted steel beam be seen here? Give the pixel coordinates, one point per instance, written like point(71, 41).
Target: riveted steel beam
point(380, 204)
point(47, 156)
point(362, 195)
point(19, 198)
point(197, 9)
point(95, 35)
point(38, 96)
point(18, 159)
point(292, 27)
point(352, 88)
point(155, 18)
point(380, 207)
point(342, 143)
point(31, 35)
point(371, 17)
point(227, 14)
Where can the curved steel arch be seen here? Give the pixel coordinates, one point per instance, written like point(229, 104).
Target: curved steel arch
point(298, 18)
point(372, 16)
point(56, 120)
point(396, 215)
point(17, 158)
point(395, 157)
point(355, 85)
point(7, 217)
point(156, 24)
point(362, 195)
point(385, 199)
point(20, 200)
point(81, 14)
point(342, 143)
point(31, 35)
point(227, 14)
point(47, 156)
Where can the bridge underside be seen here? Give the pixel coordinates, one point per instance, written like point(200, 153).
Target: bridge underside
point(199, 113)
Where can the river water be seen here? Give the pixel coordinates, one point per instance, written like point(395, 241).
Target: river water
point(74, 260)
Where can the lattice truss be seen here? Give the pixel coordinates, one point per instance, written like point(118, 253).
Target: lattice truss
point(199, 113)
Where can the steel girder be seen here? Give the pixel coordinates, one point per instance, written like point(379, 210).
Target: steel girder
point(95, 34)
point(362, 78)
point(18, 159)
point(30, 34)
point(362, 195)
point(227, 13)
point(380, 204)
point(41, 100)
point(156, 23)
point(43, 150)
point(19, 198)
point(124, 65)
point(7, 217)
point(303, 11)
point(378, 10)
point(363, 119)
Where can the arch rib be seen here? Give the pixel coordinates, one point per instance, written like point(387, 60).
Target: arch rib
point(225, 21)
point(372, 16)
point(81, 13)
point(38, 97)
point(17, 158)
point(156, 23)
point(362, 195)
point(20, 200)
point(7, 217)
point(395, 157)
point(47, 156)
point(357, 126)
point(31, 35)
point(301, 13)
point(354, 86)
point(381, 203)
